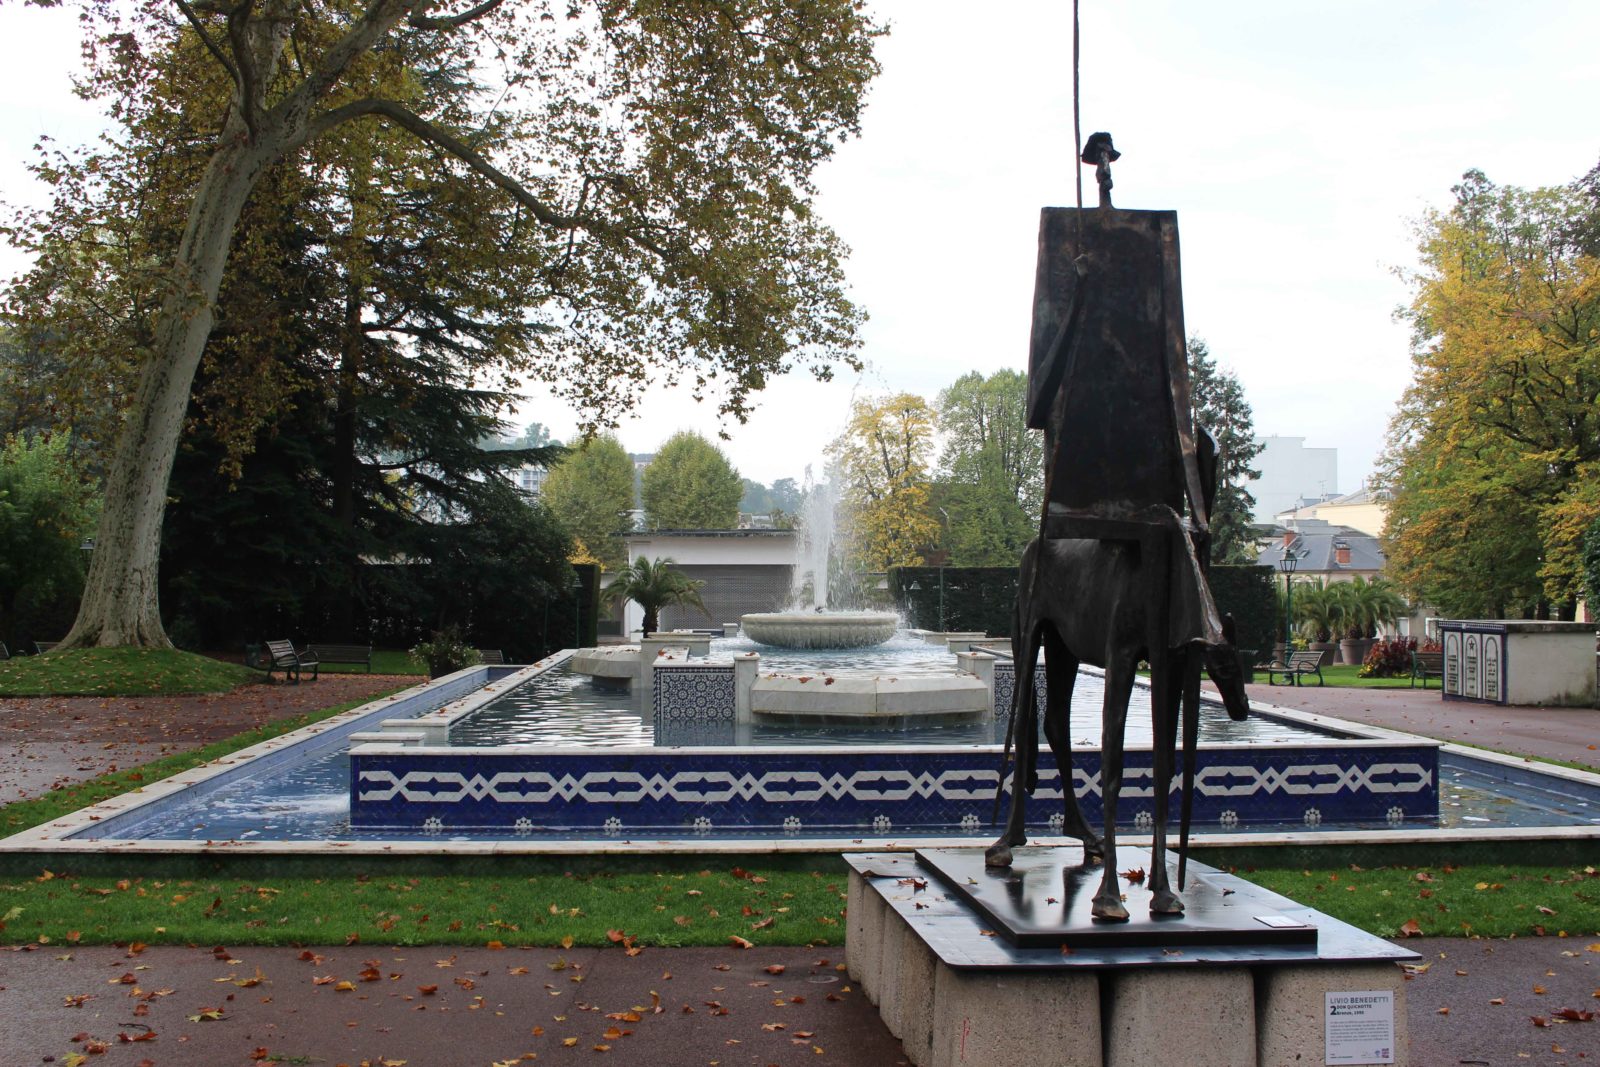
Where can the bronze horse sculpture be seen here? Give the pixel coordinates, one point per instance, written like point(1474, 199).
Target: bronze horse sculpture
point(1091, 611)
point(1118, 572)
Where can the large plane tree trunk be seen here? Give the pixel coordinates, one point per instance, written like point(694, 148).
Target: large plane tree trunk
point(120, 604)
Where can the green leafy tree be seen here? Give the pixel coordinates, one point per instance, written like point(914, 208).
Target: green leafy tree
point(883, 460)
point(991, 469)
point(590, 492)
point(653, 585)
point(1493, 457)
point(1220, 407)
point(658, 160)
point(1591, 569)
point(690, 485)
point(46, 510)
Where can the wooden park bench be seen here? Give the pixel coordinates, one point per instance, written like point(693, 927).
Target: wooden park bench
point(1299, 665)
point(361, 654)
point(1427, 665)
point(281, 656)
point(41, 647)
point(491, 656)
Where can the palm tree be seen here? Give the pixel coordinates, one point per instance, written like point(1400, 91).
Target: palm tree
point(1371, 604)
point(1318, 610)
point(654, 585)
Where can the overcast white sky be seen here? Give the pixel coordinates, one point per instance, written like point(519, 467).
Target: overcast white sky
point(1295, 141)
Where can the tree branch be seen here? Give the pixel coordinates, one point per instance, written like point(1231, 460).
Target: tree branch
point(435, 135)
point(245, 73)
point(210, 42)
point(451, 22)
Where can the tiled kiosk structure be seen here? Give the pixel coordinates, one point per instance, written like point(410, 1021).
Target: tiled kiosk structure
point(955, 991)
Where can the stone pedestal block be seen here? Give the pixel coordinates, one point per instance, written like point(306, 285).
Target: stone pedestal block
point(916, 984)
point(891, 992)
point(1216, 1006)
point(874, 913)
point(854, 908)
point(1042, 1019)
point(1290, 1008)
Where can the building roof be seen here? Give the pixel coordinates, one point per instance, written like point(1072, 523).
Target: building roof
point(1316, 547)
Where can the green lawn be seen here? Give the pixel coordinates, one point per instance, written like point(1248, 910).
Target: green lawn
point(683, 903)
point(1345, 675)
point(1485, 900)
point(120, 672)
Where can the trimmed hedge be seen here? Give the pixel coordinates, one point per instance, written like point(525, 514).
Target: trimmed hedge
point(1245, 591)
point(984, 598)
point(975, 598)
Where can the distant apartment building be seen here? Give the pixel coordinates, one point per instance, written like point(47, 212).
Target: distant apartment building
point(1365, 510)
point(530, 480)
point(1292, 476)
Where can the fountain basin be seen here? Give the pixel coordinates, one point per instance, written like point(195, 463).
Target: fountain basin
point(843, 629)
point(870, 701)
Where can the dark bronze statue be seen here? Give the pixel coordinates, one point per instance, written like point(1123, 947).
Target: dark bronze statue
point(1118, 572)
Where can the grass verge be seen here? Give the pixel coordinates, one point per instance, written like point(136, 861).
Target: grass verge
point(26, 814)
point(1346, 676)
point(682, 903)
point(119, 672)
point(384, 661)
point(1485, 900)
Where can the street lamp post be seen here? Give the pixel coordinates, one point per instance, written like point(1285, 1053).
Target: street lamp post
point(1287, 565)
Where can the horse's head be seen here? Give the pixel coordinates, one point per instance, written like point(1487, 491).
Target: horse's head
point(1222, 664)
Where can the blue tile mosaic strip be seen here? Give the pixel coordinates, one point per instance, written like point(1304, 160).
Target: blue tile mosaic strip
point(624, 790)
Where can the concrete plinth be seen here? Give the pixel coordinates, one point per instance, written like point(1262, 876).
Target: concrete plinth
point(918, 966)
point(874, 914)
point(1290, 1009)
point(983, 1018)
point(891, 991)
point(1216, 1004)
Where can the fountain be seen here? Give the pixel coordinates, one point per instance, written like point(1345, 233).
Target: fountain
point(809, 624)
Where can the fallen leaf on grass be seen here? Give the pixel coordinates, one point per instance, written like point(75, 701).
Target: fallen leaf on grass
point(1410, 928)
point(741, 942)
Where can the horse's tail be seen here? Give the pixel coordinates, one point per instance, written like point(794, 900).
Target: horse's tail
point(1191, 738)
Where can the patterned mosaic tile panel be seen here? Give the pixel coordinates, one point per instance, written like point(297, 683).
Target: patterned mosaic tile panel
point(687, 698)
point(879, 789)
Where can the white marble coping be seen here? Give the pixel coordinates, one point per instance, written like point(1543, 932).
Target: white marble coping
point(52, 835)
point(815, 750)
point(694, 844)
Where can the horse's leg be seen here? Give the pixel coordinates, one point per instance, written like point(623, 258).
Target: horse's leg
point(1024, 771)
point(1120, 664)
point(1167, 667)
point(1063, 668)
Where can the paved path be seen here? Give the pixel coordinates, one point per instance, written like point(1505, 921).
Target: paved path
point(50, 741)
point(1571, 734)
point(718, 1006)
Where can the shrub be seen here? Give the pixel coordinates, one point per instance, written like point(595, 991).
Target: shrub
point(447, 651)
point(1389, 659)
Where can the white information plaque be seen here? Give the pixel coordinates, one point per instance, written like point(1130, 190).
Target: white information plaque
point(1359, 1027)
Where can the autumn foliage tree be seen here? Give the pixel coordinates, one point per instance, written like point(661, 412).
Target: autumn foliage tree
point(1494, 453)
point(655, 162)
point(883, 458)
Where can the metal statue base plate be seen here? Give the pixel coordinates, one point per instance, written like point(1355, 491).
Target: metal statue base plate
point(1043, 900)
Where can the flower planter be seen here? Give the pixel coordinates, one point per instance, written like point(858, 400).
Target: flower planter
point(1328, 650)
point(1354, 650)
